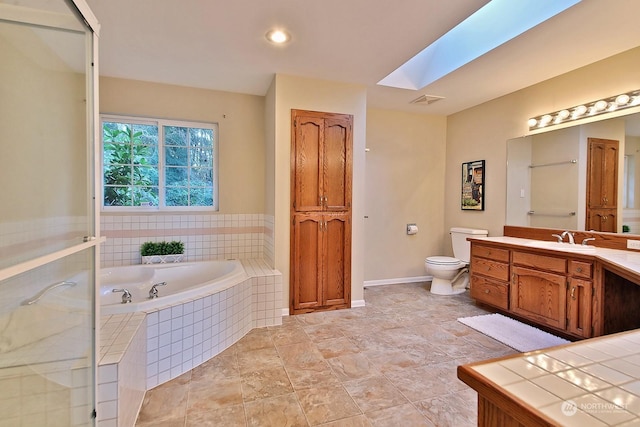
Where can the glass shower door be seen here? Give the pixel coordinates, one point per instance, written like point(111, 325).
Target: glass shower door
point(48, 249)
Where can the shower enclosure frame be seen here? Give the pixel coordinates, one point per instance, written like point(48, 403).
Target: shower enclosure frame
point(78, 19)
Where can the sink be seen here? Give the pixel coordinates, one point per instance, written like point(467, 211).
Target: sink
point(543, 244)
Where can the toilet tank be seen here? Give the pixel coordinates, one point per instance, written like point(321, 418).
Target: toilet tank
point(461, 247)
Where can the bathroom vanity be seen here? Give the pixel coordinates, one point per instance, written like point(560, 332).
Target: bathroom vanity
point(572, 290)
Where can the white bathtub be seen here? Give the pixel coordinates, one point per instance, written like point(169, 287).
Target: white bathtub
point(184, 282)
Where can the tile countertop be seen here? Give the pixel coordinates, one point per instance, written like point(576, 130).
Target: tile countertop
point(594, 382)
point(626, 260)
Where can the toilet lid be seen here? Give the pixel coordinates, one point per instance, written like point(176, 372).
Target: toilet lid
point(442, 260)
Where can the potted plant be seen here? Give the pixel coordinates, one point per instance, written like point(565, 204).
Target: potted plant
point(162, 252)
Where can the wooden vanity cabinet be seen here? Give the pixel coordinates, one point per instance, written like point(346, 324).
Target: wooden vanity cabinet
point(490, 275)
point(539, 296)
point(580, 299)
point(555, 291)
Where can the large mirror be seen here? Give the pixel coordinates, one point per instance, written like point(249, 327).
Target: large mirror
point(550, 182)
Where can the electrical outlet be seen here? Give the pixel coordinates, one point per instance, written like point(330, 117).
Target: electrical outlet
point(633, 244)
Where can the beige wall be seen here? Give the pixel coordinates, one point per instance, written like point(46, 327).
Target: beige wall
point(481, 132)
point(308, 94)
point(404, 184)
point(240, 121)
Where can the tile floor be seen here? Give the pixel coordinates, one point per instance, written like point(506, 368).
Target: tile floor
point(390, 363)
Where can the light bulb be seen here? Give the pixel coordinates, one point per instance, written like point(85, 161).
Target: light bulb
point(601, 105)
point(622, 99)
point(532, 122)
point(580, 110)
point(563, 114)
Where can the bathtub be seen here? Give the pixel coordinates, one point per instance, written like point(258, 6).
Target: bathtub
point(184, 282)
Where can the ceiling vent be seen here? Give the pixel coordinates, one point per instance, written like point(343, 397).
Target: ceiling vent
point(426, 99)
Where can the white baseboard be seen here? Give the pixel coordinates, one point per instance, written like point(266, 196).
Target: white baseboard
point(354, 304)
point(397, 281)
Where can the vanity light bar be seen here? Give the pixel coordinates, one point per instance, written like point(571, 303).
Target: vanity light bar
point(601, 106)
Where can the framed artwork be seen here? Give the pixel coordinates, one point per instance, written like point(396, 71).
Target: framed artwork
point(473, 186)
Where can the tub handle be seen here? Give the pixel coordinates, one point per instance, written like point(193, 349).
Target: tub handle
point(153, 292)
point(126, 295)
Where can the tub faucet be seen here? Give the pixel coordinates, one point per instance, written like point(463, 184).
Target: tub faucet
point(569, 235)
point(126, 295)
point(153, 292)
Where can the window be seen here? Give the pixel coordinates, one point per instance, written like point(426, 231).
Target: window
point(158, 164)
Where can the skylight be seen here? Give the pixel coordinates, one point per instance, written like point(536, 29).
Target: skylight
point(494, 24)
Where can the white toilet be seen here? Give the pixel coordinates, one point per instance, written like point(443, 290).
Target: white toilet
point(451, 275)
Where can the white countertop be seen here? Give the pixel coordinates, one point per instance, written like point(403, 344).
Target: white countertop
point(627, 260)
point(589, 383)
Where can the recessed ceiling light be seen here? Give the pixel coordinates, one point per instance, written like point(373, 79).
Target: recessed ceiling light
point(278, 36)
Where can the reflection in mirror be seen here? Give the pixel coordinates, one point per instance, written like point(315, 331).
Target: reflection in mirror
point(547, 176)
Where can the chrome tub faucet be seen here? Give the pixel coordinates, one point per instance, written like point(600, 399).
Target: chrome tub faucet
point(126, 295)
point(153, 292)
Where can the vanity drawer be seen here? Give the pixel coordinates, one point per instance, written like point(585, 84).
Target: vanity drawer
point(540, 262)
point(487, 267)
point(490, 252)
point(581, 269)
point(490, 292)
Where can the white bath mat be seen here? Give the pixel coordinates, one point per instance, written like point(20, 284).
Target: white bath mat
point(515, 334)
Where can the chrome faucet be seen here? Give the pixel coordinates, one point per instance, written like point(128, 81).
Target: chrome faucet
point(585, 242)
point(126, 295)
point(153, 292)
point(569, 235)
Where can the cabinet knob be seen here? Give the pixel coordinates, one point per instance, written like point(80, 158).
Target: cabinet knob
point(579, 269)
point(486, 291)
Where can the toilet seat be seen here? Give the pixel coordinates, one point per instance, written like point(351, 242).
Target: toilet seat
point(443, 260)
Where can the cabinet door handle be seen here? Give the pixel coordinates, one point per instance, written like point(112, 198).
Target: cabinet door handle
point(573, 293)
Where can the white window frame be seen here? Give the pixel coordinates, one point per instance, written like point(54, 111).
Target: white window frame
point(161, 163)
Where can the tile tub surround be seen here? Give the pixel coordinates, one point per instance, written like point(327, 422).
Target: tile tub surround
point(391, 363)
point(206, 236)
point(173, 340)
point(121, 369)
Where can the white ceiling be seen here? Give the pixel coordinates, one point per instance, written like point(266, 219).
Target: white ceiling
point(220, 44)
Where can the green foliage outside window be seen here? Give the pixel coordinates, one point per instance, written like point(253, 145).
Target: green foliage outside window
point(132, 166)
